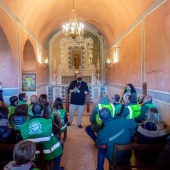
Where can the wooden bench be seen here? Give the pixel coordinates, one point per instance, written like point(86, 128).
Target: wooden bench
point(134, 162)
point(4, 148)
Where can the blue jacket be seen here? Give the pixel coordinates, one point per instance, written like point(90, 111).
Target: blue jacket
point(117, 130)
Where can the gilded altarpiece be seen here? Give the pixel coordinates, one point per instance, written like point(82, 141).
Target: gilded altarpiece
point(67, 55)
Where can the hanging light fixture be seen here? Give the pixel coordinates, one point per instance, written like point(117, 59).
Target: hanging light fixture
point(73, 28)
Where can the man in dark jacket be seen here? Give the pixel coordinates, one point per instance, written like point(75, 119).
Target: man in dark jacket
point(116, 130)
point(78, 89)
point(95, 121)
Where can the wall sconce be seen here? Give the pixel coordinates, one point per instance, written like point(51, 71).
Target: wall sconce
point(108, 61)
point(45, 62)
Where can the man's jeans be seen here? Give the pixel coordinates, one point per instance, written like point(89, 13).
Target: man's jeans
point(80, 109)
point(90, 132)
point(57, 161)
point(100, 158)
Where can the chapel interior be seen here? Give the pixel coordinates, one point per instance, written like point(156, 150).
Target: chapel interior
point(122, 42)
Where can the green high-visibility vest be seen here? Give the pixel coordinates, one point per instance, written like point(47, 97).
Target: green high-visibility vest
point(40, 130)
point(101, 106)
point(134, 111)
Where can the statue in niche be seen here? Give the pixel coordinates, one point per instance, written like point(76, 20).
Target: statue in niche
point(76, 61)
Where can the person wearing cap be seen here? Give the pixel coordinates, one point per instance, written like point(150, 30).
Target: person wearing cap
point(96, 123)
point(118, 106)
point(39, 129)
point(147, 104)
point(13, 103)
point(116, 130)
point(132, 109)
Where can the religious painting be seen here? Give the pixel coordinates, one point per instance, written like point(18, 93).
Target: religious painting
point(76, 58)
point(28, 82)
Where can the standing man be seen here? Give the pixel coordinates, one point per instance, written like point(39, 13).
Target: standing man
point(78, 89)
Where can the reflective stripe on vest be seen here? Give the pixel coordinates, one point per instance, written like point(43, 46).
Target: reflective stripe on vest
point(130, 112)
point(63, 127)
point(112, 110)
point(47, 151)
point(43, 139)
point(134, 111)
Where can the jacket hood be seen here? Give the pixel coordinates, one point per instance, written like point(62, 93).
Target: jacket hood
point(11, 166)
point(153, 134)
point(104, 100)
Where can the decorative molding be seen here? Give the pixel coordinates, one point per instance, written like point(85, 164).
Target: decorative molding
point(86, 65)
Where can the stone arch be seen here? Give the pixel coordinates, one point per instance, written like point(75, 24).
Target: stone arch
point(8, 64)
point(29, 58)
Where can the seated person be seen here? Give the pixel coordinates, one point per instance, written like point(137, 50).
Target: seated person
point(43, 100)
point(13, 103)
point(96, 123)
point(20, 116)
point(39, 129)
point(129, 89)
point(22, 98)
point(23, 154)
point(2, 104)
point(132, 109)
point(140, 99)
point(153, 130)
point(116, 130)
point(56, 122)
point(59, 109)
point(147, 104)
point(33, 99)
point(164, 157)
point(7, 134)
point(118, 106)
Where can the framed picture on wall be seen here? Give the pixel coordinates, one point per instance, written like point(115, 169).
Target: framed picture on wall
point(28, 82)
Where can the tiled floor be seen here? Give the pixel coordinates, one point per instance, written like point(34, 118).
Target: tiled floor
point(79, 150)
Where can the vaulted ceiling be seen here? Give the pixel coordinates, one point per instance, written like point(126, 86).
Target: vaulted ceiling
point(110, 17)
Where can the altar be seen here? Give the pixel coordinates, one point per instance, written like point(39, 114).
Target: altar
point(67, 56)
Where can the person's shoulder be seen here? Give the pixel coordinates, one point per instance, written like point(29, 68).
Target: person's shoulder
point(74, 81)
point(84, 82)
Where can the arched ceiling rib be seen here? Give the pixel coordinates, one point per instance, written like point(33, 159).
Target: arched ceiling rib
point(110, 17)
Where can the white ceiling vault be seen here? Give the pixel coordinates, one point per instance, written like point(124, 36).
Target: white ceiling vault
point(111, 17)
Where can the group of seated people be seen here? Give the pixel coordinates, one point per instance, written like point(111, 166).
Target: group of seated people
point(38, 121)
point(124, 121)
